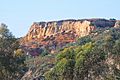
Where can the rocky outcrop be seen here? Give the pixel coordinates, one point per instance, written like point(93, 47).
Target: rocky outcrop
point(43, 29)
point(58, 33)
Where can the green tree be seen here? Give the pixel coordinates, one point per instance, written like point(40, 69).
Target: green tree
point(9, 65)
point(64, 66)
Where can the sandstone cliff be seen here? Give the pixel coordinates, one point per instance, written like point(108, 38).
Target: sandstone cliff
point(43, 29)
point(59, 33)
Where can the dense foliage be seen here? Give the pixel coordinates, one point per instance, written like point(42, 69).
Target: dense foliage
point(11, 65)
point(94, 57)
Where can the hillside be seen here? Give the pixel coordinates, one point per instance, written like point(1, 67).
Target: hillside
point(91, 55)
point(94, 57)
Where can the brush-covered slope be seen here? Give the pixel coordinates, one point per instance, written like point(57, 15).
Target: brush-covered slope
point(94, 57)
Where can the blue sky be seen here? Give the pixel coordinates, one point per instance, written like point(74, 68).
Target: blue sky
point(20, 14)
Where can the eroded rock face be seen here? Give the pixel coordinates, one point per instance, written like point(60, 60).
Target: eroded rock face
point(59, 33)
point(80, 27)
point(40, 30)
